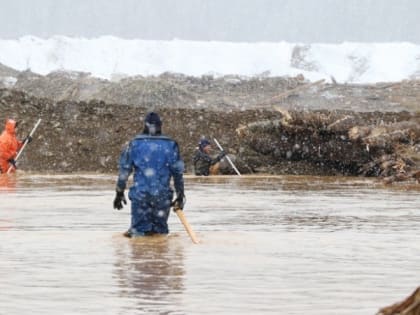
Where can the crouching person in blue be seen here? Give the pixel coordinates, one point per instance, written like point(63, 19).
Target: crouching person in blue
point(155, 159)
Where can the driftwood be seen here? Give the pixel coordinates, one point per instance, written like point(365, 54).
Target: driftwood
point(407, 131)
point(347, 142)
point(409, 306)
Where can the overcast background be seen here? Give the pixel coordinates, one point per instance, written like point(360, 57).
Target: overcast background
point(308, 21)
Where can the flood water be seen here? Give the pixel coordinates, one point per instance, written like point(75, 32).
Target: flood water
point(269, 245)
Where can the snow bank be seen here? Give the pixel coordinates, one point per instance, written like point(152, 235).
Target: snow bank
point(108, 57)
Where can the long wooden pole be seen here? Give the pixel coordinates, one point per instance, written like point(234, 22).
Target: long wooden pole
point(180, 213)
point(227, 158)
point(24, 145)
point(289, 92)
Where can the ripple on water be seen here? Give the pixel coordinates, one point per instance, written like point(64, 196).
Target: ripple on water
point(269, 245)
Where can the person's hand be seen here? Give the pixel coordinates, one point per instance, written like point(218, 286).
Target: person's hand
point(179, 201)
point(28, 138)
point(13, 162)
point(119, 200)
point(221, 155)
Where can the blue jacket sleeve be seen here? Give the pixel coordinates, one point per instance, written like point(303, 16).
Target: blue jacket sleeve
point(125, 168)
point(177, 170)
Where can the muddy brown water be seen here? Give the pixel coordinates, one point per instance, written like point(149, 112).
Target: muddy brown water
point(269, 245)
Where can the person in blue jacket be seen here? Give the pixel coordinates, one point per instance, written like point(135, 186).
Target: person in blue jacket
point(155, 159)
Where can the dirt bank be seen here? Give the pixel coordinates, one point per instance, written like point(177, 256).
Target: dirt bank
point(88, 136)
point(217, 93)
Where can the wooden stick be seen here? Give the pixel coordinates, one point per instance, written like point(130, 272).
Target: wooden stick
point(227, 158)
point(289, 92)
point(299, 88)
point(180, 213)
point(24, 145)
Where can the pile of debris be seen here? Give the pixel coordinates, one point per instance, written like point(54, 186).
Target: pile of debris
point(89, 136)
point(383, 145)
point(217, 93)
point(277, 125)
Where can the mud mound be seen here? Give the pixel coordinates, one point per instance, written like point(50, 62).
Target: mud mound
point(217, 93)
point(166, 90)
point(89, 136)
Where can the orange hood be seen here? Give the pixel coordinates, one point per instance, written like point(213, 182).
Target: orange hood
point(11, 126)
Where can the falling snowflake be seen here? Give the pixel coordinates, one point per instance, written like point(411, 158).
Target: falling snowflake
point(149, 172)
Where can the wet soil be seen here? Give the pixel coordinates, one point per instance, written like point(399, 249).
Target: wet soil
point(272, 136)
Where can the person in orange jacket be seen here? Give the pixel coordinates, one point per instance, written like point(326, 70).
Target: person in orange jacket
point(9, 146)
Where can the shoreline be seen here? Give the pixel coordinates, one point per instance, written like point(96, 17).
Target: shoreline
point(78, 136)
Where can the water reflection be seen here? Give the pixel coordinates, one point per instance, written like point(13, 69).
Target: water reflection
point(324, 222)
point(270, 245)
point(285, 182)
point(7, 183)
point(149, 272)
point(7, 186)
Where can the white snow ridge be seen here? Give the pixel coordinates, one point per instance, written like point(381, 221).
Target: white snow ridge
point(110, 57)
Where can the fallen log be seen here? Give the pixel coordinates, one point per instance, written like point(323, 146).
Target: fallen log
point(346, 142)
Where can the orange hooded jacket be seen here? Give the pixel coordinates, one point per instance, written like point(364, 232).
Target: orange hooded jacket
point(9, 145)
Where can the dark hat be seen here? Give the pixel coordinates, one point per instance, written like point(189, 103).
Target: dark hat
point(203, 143)
point(153, 119)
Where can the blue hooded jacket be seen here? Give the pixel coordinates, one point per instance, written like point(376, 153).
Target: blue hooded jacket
point(154, 159)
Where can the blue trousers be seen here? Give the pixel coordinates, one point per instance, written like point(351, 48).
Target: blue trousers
point(149, 214)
